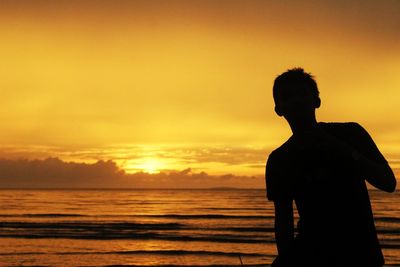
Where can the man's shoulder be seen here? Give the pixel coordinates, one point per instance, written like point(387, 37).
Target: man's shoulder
point(284, 147)
point(346, 130)
point(341, 125)
point(288, 148)
point(282, 151)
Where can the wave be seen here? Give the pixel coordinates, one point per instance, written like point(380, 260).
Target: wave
point(148, 252)
point(387, 219)
point(90, 225)
point(43, 215)
point(168, 216)
point(143, 236)
point(388, 231)
point(124, 231)
point(191, 265)
point(206, 216)
point(175, 253)
point(115, 226)
point(125, 225)
point(392, 246)
point(240, 208)
point(149, 230)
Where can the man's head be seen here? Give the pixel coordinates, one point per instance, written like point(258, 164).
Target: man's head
point(295, 93)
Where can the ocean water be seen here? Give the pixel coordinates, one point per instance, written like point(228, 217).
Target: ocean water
point(154, 227)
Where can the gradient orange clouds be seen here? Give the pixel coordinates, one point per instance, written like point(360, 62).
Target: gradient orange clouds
point(189, 75)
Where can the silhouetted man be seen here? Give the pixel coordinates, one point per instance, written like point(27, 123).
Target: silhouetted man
point(322, 167)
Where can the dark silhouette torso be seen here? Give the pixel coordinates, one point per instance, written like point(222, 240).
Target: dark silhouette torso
point(331, 196)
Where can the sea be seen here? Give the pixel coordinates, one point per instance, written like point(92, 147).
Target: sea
point(142, 227)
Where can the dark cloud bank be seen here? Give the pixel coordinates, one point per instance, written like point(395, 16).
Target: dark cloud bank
point(55, 173)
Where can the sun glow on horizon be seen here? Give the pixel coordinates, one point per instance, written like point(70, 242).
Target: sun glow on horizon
point(148, 165)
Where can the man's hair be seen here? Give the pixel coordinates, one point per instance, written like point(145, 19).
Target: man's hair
point(295, 77)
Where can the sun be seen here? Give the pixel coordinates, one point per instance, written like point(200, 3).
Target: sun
point(149, 165)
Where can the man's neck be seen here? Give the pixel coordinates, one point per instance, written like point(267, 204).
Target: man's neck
point(304, 125)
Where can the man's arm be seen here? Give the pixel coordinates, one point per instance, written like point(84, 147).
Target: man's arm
point(379, 175)
point(284, 230)
point(370, 161)
point(366, 155)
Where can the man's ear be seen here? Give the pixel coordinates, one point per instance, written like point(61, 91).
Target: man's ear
point(278, 111)
point(317, 102)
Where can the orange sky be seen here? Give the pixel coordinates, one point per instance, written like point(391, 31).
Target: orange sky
point(177, 84)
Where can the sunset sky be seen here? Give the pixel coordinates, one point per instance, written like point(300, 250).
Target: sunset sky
point(172, 85)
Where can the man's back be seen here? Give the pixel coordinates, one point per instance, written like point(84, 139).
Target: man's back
point(336, 220)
